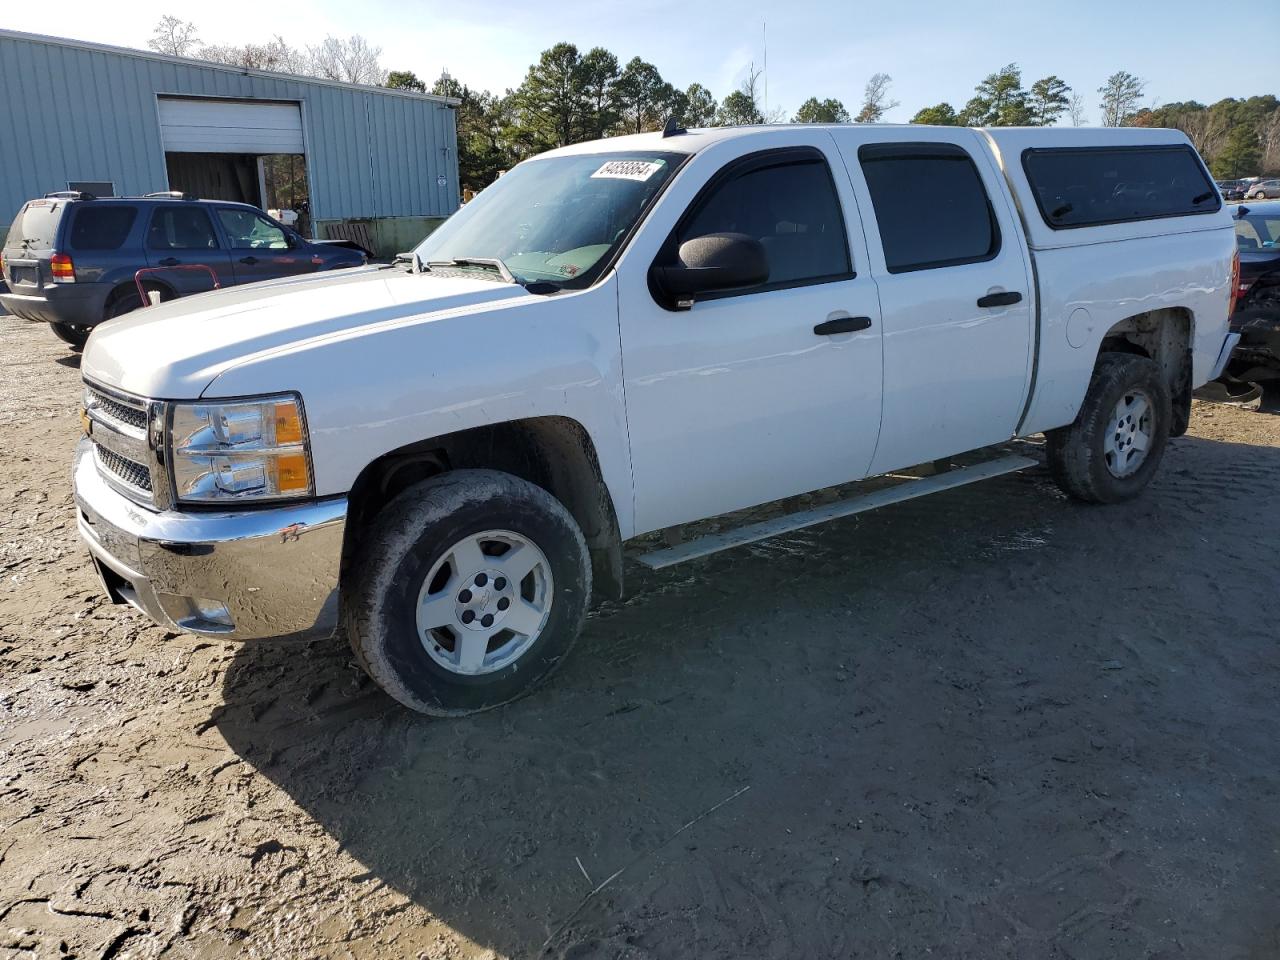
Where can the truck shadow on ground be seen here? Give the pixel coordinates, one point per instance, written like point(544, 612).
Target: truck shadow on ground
point(986, 716)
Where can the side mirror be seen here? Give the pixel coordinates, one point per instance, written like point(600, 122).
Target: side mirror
point(713, 263)
point(292, 239)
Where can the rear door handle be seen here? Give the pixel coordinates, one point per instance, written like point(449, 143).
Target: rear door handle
point(1000, 299)
point(249, 260)
point(842, 325)
point(170, 262)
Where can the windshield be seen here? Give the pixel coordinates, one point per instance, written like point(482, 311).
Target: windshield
point(1258, 232)
point(553, 220)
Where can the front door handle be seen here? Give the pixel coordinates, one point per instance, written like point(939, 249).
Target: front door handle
point(170, 262)
point(842, 325)
point(249, 260)
point(1000, 299)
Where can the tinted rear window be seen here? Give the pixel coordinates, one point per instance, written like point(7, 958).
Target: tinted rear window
point(1082, 187)
point(102, 227)
point(36, 226)
point(931, 207)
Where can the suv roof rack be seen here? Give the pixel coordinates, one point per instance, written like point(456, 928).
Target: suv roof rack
point(170, 195)
point(69, 195)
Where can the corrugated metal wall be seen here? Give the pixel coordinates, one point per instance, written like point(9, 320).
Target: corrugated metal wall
point(71, 112)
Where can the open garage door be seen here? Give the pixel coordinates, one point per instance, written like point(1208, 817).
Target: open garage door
point(230, 126)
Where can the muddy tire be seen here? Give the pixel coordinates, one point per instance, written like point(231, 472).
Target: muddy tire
point(1113, 449)
point(71, 333)
point(468, 592)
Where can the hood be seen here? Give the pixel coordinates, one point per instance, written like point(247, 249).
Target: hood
point(176, 349)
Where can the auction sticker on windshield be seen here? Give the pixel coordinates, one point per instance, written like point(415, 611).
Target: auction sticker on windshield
point(627, 170)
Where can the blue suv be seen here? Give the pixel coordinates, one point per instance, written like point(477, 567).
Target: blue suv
point(70, 258)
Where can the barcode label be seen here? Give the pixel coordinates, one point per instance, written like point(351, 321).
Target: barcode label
point(627, 170)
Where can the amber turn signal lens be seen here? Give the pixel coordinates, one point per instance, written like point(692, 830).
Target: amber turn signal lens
point(291, 473)
point(288, 423)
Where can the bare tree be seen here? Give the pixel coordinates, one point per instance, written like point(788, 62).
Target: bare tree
point(275, 55)
point(875, 99)
point(352, 60)
point(1270, 137)
point(1075, 110)
point(173, 36)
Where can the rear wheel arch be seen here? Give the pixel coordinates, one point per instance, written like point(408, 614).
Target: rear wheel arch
point(1165, 336)
point(126, 288)
point(554, 453)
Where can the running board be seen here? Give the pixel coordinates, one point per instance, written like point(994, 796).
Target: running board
point(907, 490)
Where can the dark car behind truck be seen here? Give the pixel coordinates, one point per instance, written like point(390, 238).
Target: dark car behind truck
point(70, 259)
point(1256, 358)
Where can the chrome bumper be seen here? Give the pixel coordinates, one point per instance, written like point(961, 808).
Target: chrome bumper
point(275, 571)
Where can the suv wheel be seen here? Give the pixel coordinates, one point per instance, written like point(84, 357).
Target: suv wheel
point(73, 333)
point(468, 592)
point(1113, 448)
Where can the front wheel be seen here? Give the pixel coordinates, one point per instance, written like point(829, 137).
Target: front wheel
point(1112, 450)
point(75, 334)
point(468, 592)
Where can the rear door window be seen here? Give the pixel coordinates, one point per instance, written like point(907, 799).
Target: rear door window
point(931, 207)
point(102, 227)
point(36, 226)
point(1090, 186)
point(181, 228)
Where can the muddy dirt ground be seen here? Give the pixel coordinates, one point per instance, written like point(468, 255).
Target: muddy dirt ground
point(990, 723)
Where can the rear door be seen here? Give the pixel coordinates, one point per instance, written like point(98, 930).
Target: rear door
point(181, 236)
point(953, 275)
point(260, 248)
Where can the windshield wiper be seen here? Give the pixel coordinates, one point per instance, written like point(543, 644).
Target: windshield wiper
point(491, 262)
point(1201, 198)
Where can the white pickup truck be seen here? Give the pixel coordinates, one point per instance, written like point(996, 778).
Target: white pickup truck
point(628, 336)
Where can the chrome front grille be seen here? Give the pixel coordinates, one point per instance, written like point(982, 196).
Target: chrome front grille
point(117, 410)
point(136, 475)
point(117, 424)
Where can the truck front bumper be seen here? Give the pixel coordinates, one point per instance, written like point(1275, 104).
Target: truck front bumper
point(239, 575)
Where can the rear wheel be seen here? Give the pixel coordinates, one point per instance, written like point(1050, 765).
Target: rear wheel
point(1112, 450)
point(75, 334)
point(468, 592)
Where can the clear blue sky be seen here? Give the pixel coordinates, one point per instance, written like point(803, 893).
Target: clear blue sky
point(933, 50)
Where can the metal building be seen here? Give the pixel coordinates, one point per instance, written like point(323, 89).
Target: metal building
point(354, 161)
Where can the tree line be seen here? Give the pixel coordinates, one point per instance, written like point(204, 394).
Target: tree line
point(568, 96)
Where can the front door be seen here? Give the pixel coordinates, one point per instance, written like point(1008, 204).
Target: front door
point(260, 248)
point(952, 268)
point(764, 393)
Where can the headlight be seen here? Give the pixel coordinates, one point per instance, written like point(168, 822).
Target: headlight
point(240, 450)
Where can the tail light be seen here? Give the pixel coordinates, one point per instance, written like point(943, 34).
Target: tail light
point(1236, 284)
point(62, 269)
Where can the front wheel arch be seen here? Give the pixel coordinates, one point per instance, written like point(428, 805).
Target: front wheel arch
point(554, 453)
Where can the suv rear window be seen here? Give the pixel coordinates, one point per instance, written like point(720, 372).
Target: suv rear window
point(36, 226)
point(1088, 186)
point(102, 227)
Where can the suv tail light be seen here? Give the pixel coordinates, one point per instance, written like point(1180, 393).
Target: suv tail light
point(62, 269)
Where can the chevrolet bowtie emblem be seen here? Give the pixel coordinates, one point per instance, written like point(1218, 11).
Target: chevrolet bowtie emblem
point(85, 423)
